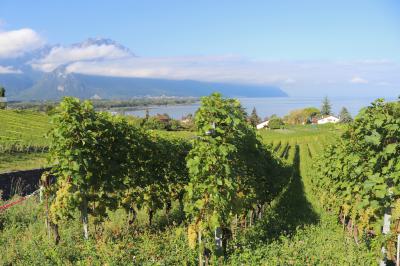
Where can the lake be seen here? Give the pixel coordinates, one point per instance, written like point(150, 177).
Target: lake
point(266, 106)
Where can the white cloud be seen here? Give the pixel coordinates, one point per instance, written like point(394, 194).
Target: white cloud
point(290, 81)
point(62, 55)
point(295, 77)
point(9, 70)
point(17, 42)
point(358, 80)
point(376, 61)
point(383, 83)
point(206, 68)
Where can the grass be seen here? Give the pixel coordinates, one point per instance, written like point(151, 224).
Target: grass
point(24, 240)
point(23, 131)
point(23, 144)
point(22, 161)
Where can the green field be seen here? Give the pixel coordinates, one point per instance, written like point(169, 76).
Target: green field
point(23, 145)
point(295, 230)
point(22, 161)
point(23, 131)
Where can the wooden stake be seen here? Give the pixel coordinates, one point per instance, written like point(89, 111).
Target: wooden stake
point(200, 249)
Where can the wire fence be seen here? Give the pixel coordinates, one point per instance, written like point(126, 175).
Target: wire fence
point(18, 201)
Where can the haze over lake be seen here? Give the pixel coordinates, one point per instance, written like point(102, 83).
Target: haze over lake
point(267, 106)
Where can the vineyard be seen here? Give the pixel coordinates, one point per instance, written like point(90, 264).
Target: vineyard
point(225, 194)
point(359, 177)
point(23, 131)
point(22, 140)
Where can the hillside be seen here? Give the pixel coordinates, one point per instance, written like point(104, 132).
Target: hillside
point(57, 84)
point(23, 130)
point(22, 142)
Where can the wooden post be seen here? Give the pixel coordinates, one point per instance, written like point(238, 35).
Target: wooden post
point(200, 249)
point(385, 231)
point(235, 226)
point(84, 217)
point(41, 194)
point(398, 251)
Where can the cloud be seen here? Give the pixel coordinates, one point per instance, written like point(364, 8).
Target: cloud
point(206, 68)
point(61, 55)
point(290, 81)
point(295, 77)
point(17, 42)
point(9, 70)
point(383, 83)
point(358, 80)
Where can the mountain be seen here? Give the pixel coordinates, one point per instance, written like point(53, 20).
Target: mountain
point(104, 42)
point(57, 84)
point(15, 83)
point(33, 77)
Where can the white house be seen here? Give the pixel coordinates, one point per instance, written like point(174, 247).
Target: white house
point(263, 124)
point(328, 119)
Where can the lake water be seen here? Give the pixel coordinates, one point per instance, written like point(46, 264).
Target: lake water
point(267, 106)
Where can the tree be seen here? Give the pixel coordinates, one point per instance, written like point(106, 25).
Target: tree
point(2, 91)
point(301, 116)
point(2, 94)
point(275, 123)
point(254, 119)
point(345, 116)
point(326, 108)
point(273, 116)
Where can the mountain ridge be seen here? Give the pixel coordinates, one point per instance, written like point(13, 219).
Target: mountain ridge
point(31, 82)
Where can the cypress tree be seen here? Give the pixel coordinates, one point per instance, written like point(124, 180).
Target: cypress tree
point(3, 104)
point(326, 108)
point(345, 116)
point(254, 119)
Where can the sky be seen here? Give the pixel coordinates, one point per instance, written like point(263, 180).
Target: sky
point(305, 47)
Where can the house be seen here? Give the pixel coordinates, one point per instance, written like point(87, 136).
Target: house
point(328, 119)
point(263, 124)
point(314, 120)
point(186, 121)
point(163, 118)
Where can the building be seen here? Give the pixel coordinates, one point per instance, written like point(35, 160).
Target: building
point(163, 118)
point(263, 124)
point(328, 119)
